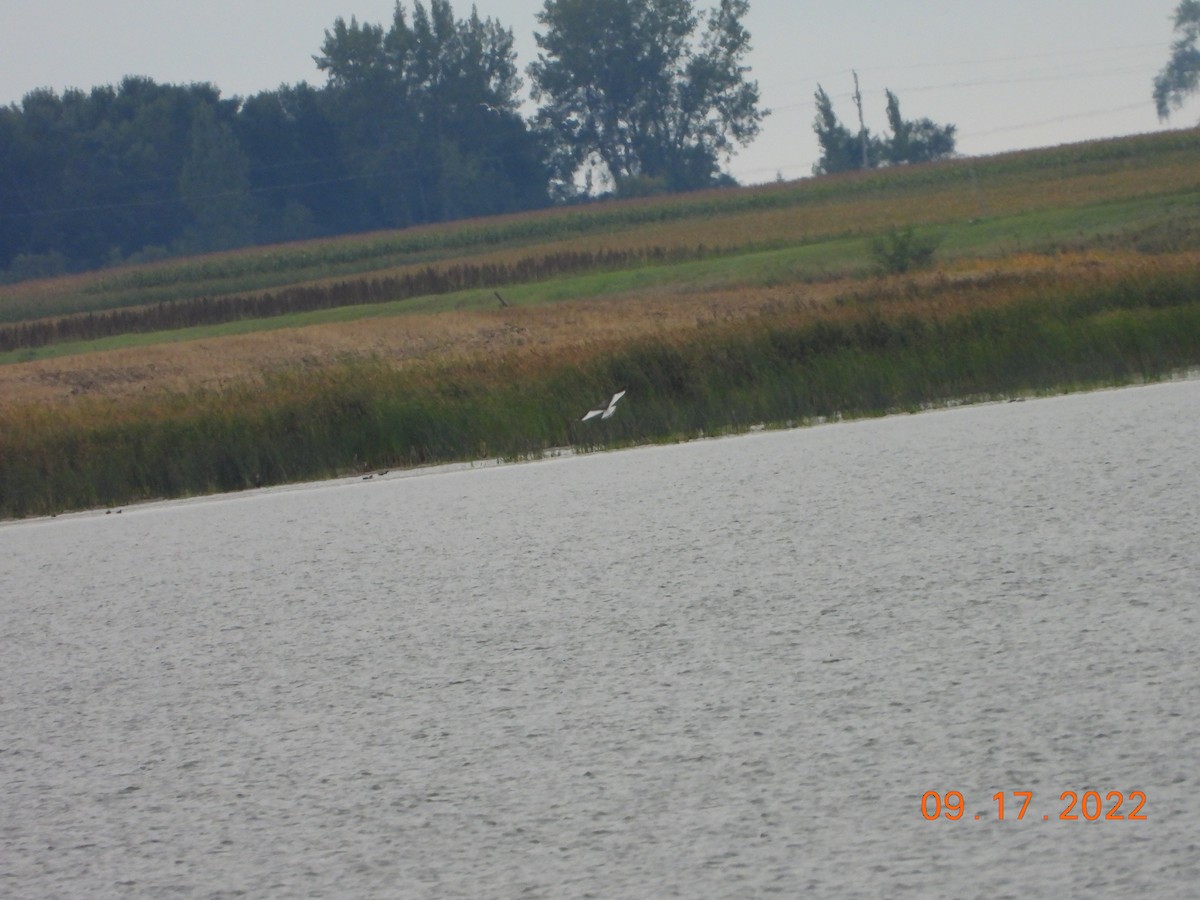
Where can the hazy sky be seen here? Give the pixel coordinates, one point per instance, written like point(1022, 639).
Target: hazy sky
point(1009, 73)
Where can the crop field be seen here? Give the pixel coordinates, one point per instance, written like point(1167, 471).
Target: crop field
point(852, 295)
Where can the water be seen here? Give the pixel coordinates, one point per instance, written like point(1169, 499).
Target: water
point(730, 668)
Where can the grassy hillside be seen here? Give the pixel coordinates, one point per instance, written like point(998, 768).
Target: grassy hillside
point(1051, 269)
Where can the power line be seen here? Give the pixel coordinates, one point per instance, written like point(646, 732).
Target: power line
point(1090, 114)
point(976, 64)
point(1022, 126)
point(396, 171)
point(1058, 76)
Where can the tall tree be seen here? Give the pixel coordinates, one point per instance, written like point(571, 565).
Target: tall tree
point(639, 90)
point(1180, 77)
point(294, 172)
point(215, 185)
point(428, 115)
point(15, 218)
point(95, 176)
point(152, 137)
point(419, 121)
point(841, 150)
point(915, 141)
point(374, 120)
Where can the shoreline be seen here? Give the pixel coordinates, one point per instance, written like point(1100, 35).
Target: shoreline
point(1182, 376)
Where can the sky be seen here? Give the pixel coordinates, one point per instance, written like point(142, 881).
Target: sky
point(1010, 74)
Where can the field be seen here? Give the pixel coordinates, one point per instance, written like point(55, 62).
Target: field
point(891, 290)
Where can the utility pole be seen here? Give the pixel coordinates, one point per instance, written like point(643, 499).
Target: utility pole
point(862, 125)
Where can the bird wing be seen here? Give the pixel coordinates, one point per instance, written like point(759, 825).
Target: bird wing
point(612, 404)
point(605, 411)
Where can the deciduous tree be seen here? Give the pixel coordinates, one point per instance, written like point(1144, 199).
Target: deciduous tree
point(428, 112)
point(215, 185)
point(915, 141)
point(911, 141)
point(841, 150)
point(1180, 77)
point(646, 91)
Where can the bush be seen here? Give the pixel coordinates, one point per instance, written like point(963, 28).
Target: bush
point(902, 250)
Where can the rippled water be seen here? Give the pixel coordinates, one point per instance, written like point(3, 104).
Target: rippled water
point(724, 669)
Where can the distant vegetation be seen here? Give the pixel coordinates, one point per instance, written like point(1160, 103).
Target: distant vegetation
point(419, 121)
point(910, 141)
point(429, 280)
point(1180, 77)
point(856, 294)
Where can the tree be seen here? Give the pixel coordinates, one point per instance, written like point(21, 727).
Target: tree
point(1180, 77)
point(215, 185)
point(636, 89)
point(427, 114)
point(366, 100)
point(914, 141)
point(841, 151)
point(295, 172)
point(151, 137)
point(465, 78)
point(14, 163)
point(94, 177)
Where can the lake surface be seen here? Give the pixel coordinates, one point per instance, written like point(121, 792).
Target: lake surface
point(729, 668)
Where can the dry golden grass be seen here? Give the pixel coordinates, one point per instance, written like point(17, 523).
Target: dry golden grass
point(534, 336)
point(536, 331)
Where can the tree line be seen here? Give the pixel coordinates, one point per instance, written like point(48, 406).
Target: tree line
point(418, 121)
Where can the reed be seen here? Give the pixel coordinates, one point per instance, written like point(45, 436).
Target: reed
point(716, 311)
point(895, 346)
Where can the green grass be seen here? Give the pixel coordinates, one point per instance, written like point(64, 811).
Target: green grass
point(750, 269)
point(1042, 180)
point(884, 346)
point(1038, 231)
point(882, 354)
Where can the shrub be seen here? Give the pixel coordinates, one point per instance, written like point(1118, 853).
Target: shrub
point(902, 250)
